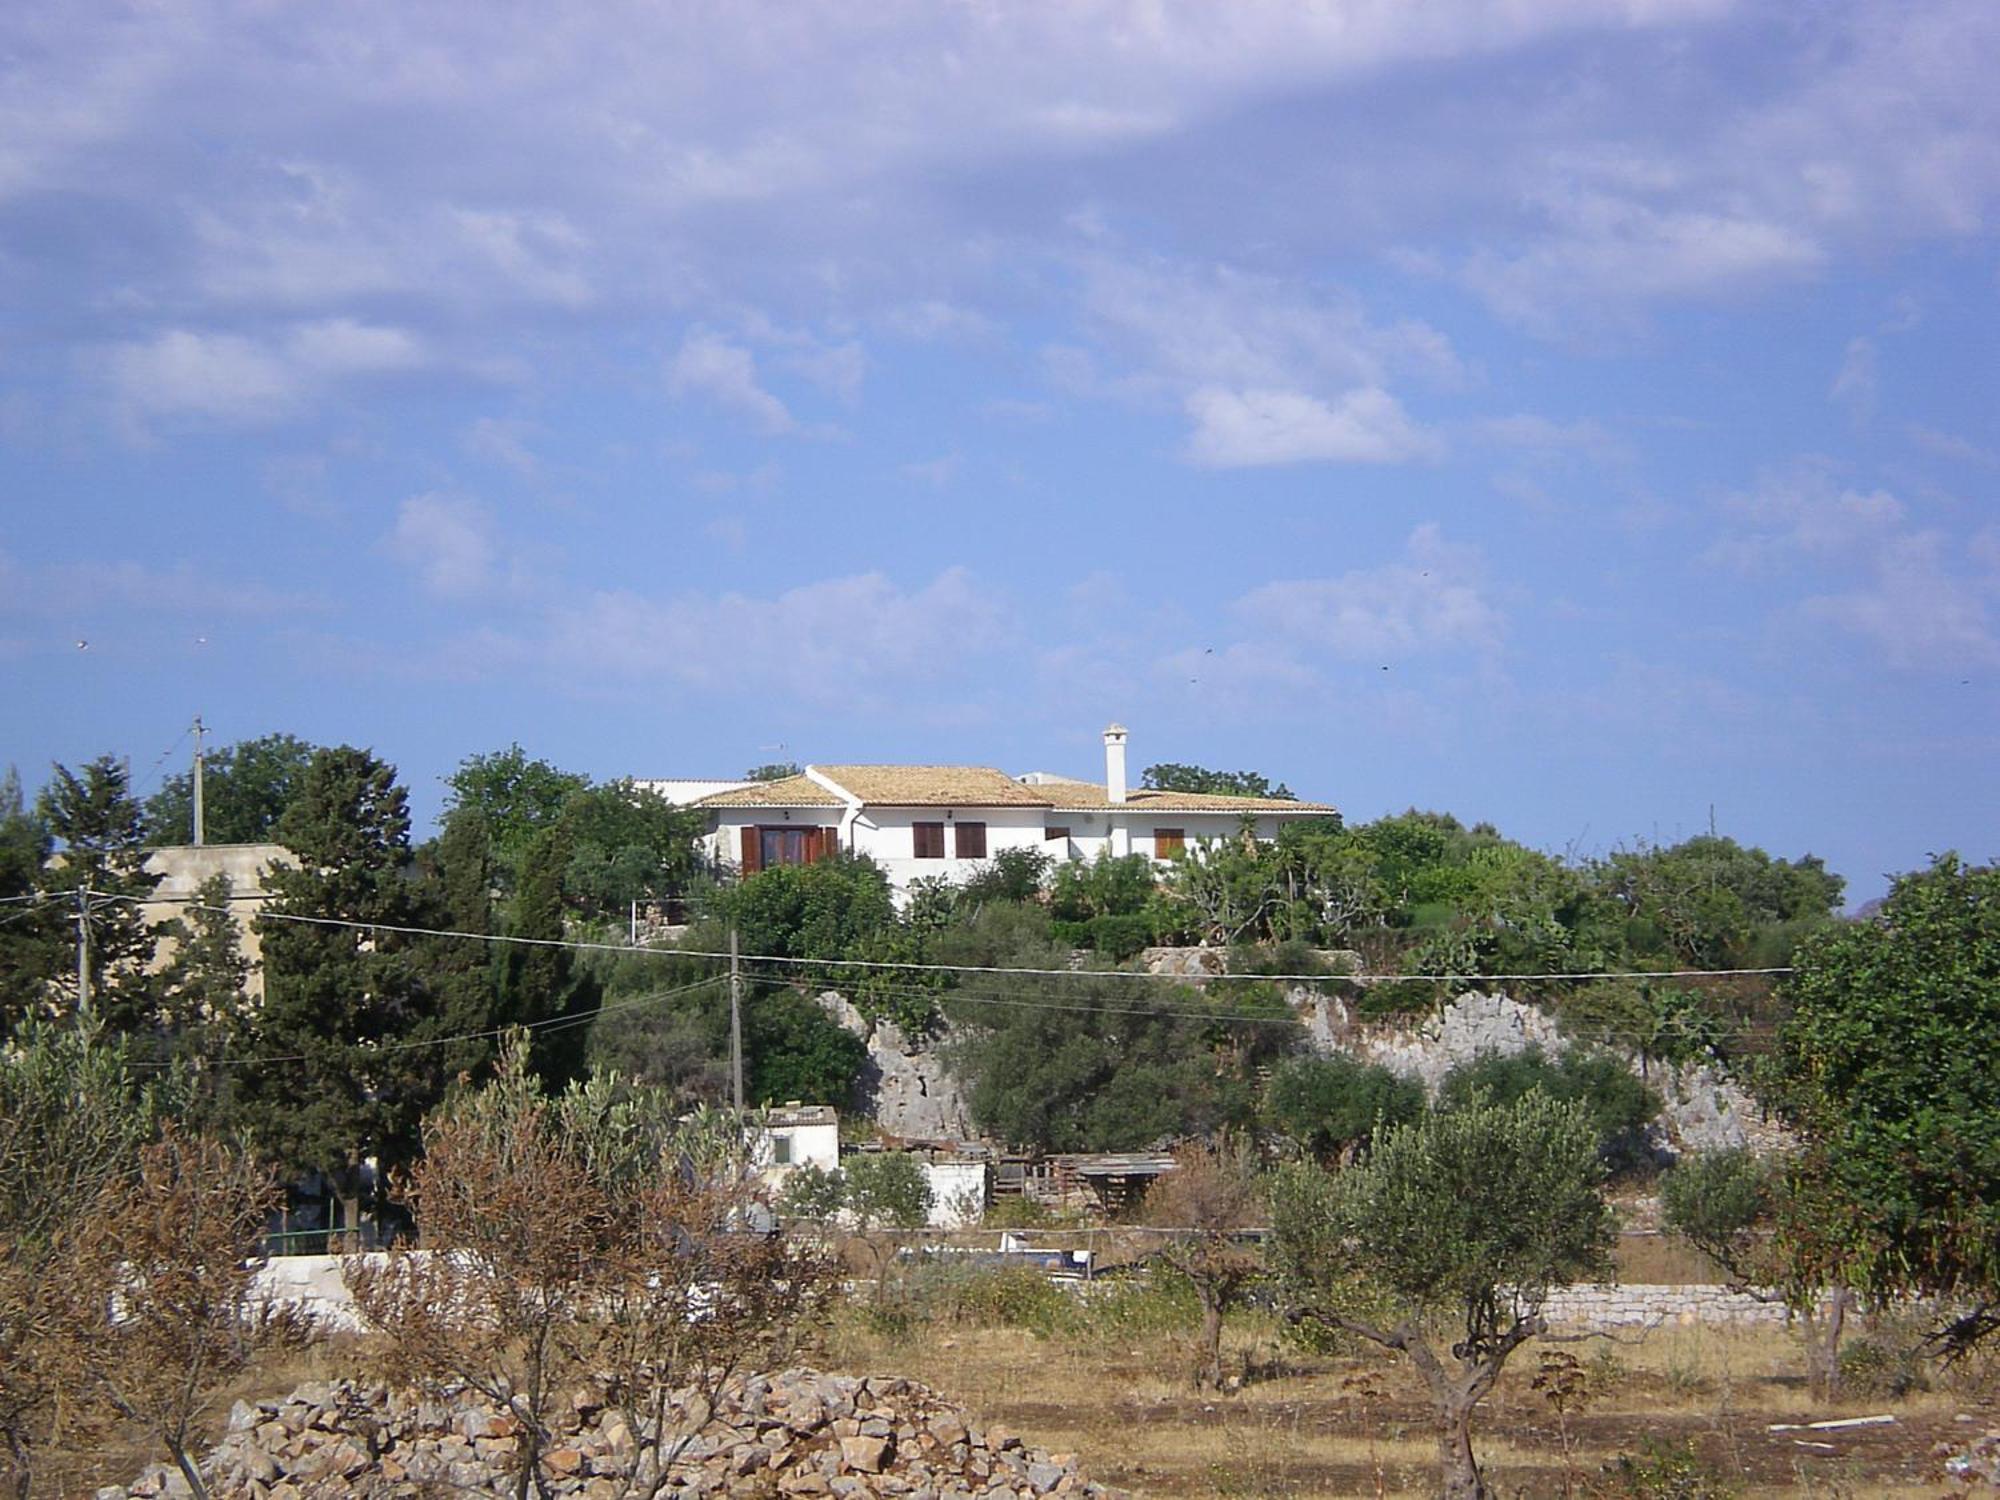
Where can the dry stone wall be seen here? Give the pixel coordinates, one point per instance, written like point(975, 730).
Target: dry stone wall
point(798, 1433)
point(1642, 1306)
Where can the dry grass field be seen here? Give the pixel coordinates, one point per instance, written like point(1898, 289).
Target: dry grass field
point(1690, 1406)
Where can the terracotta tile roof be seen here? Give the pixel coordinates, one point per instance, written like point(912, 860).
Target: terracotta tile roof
point(934, 786)
point(983, 786)
point(1088, 796)
point(792, 791)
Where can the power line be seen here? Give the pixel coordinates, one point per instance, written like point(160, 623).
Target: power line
point(556, 1023)
point(956, 997)
point(581, 945)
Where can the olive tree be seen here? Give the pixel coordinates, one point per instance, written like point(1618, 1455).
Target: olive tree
point(1444, 1244)
point(1206, 1203)
point(1781, 1232)
point(590, 1237)
point(176, 1313)
point(73, 1119)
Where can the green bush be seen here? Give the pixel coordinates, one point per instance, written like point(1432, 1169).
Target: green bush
point(1619, 1105)
point(1662, 1471)
point(1328, 1104)
point(1140, 1307)
point(1119, 937)
point(1011, 1298)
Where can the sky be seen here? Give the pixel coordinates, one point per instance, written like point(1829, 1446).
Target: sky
point(1577, 415)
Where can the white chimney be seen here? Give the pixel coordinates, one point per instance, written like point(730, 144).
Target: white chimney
point(1114, 763)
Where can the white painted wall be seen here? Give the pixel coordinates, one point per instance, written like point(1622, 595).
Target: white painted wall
point(958, 1193)
point(802, 1145)
point(886, 834)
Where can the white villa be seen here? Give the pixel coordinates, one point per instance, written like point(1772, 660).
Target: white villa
point(916, 821)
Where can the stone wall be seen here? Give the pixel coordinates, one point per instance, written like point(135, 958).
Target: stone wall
point(313, 1284)
point(1639, 1306)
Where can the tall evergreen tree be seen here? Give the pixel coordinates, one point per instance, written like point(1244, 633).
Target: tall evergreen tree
point(342, 1003)
point(30, 938)
point(205, 1005)
point(100, 877)
point(455, 895)
point(542, 983)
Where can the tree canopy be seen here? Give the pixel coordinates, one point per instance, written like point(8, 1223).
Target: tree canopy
point(1890, 1062)
point(1171, 776)
point(245, 789)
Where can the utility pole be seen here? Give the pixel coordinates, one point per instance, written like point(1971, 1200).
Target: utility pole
point(735, 1022)
point(197, 781)
point(83, 952)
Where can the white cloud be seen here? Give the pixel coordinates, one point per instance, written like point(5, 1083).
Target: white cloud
point(447, 540)
point(1800, 513)
point(710, 365)
point(937, 472)
point(500, 441)
point(1858, 384)
point(849, 640)
point(1916, 610)
point(229, 377)
point(1951, 445)
point(1601, 253)
point(1243, 429)
point(341, 346)
point(1429, 602)
point(1187, 326)
point(218, 375)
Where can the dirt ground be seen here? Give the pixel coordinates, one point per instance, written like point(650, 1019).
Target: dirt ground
point(1359, 1426)
point(1306, 1426)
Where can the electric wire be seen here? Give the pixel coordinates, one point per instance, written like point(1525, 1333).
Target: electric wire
point(537, 1028)
point(959, 995)
point(584, 945)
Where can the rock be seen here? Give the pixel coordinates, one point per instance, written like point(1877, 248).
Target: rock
point(864, 1453)
point(890, 1438)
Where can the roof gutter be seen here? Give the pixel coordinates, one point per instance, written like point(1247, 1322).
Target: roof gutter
point(850, 804)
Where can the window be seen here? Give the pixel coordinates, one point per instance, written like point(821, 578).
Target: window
point(781, 1150)
point(971, 840)
point(1055, 833)
point(1168, 842)
point(929, 840)
point(765, 848)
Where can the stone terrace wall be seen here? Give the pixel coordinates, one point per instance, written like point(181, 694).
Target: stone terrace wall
point(1641, 1306)
point(313, 1284)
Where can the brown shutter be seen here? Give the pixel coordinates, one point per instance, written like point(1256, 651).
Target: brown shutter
point(815, 845)
point(753, 852)
point(970, 840)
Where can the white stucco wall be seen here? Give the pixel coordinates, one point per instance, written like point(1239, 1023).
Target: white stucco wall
point(958, 1193)
point(183, 868)
point(1131, 832)
point(811, 1146)
point(886, 834)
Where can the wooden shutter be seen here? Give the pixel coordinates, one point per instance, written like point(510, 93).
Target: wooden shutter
point(753, 852)
point(927, 840)
point(971, 840)
point(1168, 842)
point(815, 845)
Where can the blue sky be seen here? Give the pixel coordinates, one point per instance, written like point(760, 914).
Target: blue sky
point(1575, 414)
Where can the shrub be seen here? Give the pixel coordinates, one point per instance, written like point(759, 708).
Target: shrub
point(1332, 1104)
point(1662, 1471)
point(1617, 1103)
